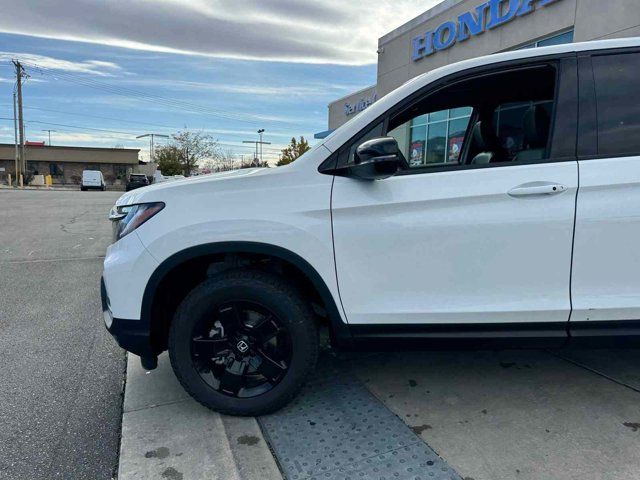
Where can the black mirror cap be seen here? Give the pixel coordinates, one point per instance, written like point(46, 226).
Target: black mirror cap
point(377, 159)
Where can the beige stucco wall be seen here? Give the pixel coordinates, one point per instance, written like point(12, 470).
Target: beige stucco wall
point(73, 160)
point(73, 154)
point(590, 19)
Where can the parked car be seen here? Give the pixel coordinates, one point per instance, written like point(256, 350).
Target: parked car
point(137, 180)
point(92, 179)
point(525, 233)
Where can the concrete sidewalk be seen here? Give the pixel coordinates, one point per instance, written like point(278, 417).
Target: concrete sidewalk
point(489, 415)
point(167, 435)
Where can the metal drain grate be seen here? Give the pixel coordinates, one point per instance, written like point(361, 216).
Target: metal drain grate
point(336, 429)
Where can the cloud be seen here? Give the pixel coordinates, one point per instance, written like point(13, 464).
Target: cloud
point(331, 31)
point(307, 89)
point(93, 67)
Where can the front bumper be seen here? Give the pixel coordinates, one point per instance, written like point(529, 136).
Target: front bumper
point(132, 335)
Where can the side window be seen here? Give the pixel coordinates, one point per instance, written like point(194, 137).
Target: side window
point(435, 138)
point(509, 123)
point(618, 103)
point(496, 119)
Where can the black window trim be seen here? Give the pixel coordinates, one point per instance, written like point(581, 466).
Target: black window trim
point(557, 60)
point(588, 107)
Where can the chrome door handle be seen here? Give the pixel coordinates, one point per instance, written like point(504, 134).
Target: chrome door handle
point(537, 189)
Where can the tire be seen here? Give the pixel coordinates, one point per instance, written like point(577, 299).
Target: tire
point(288, 313)
point(83, 189)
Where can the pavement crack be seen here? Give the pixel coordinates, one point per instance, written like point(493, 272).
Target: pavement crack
point(74, 219)
point(594, 371)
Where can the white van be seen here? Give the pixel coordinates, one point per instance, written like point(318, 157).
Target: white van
point(92, 179)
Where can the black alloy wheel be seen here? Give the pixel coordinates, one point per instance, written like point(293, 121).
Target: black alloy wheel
point(242, 350)
point(243, 342)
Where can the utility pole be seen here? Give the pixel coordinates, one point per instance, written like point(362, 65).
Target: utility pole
point(49, 131)
point(15, 135)
point(20, 74)
point(260, 143)
point(152, 136)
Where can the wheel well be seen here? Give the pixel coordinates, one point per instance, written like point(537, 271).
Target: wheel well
point(177, 282)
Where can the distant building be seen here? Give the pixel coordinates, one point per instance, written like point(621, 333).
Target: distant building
point(455, 30)
point(65, 164)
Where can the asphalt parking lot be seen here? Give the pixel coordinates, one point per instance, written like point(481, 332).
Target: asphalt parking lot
point(488, 415)
point(61, 375)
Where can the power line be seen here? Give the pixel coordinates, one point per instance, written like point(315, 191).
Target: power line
point(124, 135)
point(132, 122)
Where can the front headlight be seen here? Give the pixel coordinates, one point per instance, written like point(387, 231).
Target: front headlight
point(127, 218)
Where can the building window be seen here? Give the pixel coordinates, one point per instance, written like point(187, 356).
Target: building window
point(56, 170)
point(436, 138)
point(566, 37)
point(120, 171)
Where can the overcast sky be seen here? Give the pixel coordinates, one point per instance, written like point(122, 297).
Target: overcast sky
point(224, 66)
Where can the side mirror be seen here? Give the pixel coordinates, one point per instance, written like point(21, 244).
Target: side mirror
point(376, 159)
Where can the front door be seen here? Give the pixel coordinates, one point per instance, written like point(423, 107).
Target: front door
point(478, 228)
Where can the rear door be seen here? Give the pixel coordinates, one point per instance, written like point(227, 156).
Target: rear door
point(446, 243)
point(606, 266)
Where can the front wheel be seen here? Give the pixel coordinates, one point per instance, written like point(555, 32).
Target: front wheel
point(243, 343)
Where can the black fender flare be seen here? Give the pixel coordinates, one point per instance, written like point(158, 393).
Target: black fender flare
point(340, 330)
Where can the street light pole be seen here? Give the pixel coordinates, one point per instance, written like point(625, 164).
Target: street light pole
point(260, 143)
point(152, 136)
point(260, 132)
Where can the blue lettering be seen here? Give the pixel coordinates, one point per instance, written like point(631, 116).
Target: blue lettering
point(528, 6)
point(422, 46)
point(471, 25)
point(497, 18)
point(445, 35)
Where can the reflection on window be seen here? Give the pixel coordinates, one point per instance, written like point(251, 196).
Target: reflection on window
point(436, 138)
point(508, 124)
point(618, 102)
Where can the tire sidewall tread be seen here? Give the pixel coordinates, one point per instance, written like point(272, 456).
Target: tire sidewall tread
point(274, 293)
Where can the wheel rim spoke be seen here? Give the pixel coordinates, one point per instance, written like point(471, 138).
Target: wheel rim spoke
point(233, 378)
point(231, 318)
point(269, 368)
point(208, 348)
point(264, 331)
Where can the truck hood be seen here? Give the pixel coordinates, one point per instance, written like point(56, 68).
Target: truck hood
point(158, 191)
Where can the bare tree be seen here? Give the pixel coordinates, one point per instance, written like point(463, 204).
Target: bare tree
point(194, 148)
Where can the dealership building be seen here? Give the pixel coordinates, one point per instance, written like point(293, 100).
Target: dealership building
point(65, 164)
point(456, 30)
